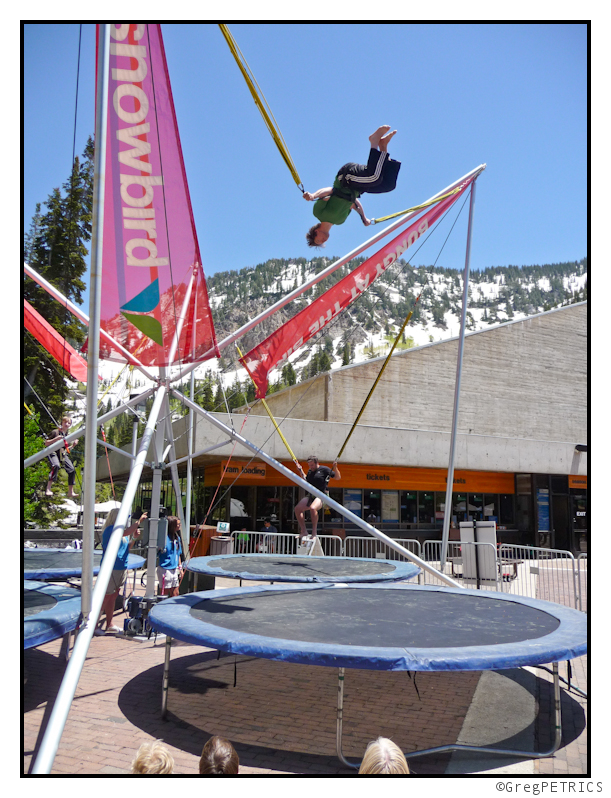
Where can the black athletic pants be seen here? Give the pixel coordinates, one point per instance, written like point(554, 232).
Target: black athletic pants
point(377, 177)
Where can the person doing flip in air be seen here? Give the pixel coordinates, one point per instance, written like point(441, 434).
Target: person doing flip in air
point(333, 205)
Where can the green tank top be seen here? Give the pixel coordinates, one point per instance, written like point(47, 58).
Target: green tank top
point(335, 209)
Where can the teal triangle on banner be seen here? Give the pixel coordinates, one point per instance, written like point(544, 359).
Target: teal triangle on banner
point(145, 301)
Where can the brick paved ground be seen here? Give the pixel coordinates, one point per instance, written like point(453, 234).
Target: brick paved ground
point(280, 717)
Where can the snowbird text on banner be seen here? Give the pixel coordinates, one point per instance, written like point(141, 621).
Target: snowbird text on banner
point(278, 347)
point(150, 247)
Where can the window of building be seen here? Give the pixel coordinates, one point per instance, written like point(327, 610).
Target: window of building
point(459, 507)
point(426, 509)
point(507, 510)
point(491, 507)
point(331, 515)
point(372, 500)
point(476, 507)
point(268, 505)
point(353, 501)
point(560, 484)
point(409, 507)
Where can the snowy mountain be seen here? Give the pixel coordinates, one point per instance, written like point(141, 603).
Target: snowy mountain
point(368, 327)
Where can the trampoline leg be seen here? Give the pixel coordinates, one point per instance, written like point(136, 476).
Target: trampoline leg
point(340, 718)
point(166, 677)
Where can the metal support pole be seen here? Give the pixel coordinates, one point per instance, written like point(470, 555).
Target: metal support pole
point(174, 470)
point(151, 560)
point(95, 299)
point(187, 526)
point(315, 492)
point(166, 677)
point(447, 515)
point(340, 722)
point(57, 721)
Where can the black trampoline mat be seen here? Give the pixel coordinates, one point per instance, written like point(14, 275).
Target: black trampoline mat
point(378, 617)
point(34, 602)
point(34, 559)
point(302, 566)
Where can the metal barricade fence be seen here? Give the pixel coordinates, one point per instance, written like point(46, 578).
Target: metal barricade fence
point(548, 574)
point(332, 545)
point(582, 581)
point(474, 565)
point(246, 542)
point(373, 548)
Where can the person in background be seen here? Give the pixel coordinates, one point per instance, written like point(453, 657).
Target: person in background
point(153, 758)
point(131, 534)
point(334, 204)
point(170, 560)
point(219, 758)
point(60, 459)
point(319, 477)
point(383, 758)
point(268, 527)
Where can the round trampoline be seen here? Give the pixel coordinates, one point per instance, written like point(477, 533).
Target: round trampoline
point(377, 626)
point(49, 612)
point(65, 563)
point(292, 568)
point(382, 626)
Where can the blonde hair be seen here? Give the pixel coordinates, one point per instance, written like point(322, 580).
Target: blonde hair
point(111, 517)
point(153, 758)
point(219, 758)
point(383, 757)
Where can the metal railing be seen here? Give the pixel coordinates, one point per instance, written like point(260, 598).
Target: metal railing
point(474, 565)
point(548, 574)
point(582, 579)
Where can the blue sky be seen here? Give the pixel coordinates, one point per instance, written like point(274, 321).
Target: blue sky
point(513, 96)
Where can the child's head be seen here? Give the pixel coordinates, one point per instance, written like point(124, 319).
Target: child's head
point(153, 758)
point(219, 758)
point(383, 757)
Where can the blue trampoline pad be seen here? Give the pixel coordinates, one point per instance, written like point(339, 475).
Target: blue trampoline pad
point(63, 563)
point(386, 626)
point(293, 568)
point(49, 612)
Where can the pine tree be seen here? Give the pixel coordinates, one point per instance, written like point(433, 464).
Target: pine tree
point(55, 247)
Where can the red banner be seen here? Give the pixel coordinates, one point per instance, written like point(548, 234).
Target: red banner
point(297, 331)
point(67, 357)
point(150, 248)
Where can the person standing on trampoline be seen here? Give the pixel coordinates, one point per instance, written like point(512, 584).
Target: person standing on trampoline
point(319, 477)
point(333, 205)
point(60, 459)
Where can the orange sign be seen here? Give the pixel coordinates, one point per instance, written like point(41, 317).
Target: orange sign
point(578, 481)
point(367, 476)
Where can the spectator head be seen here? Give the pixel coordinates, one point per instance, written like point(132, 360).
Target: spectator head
point(383, 757)
point(219, 758)
point(111, 517)
point(153, 758)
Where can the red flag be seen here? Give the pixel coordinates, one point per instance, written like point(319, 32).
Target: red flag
point(277, 347)
point(150, 251)
point(67, 357)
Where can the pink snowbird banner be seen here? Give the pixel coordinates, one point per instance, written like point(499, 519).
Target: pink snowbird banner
point(151, 268)
point(277, 347)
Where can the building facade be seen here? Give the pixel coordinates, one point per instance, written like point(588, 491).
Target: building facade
point(521, 454)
